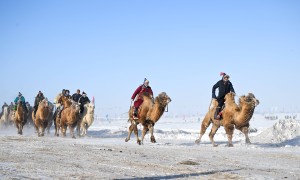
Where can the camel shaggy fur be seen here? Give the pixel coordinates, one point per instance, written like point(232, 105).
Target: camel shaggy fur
point(149, 113)
point(234, 117)
point(69, 117)
point(87, 119)
point(20, 117)
point(41, 117)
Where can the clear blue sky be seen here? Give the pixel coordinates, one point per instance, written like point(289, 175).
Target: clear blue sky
point(107, 48)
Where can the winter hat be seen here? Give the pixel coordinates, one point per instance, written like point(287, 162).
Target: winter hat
point(224, 75)
point(146, 81)
point(83, 93)
point(19, 94)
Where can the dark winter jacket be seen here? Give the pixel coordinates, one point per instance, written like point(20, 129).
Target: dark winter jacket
point(76, 97)
point(84, 100)
point(224, 88)
point(38, 99)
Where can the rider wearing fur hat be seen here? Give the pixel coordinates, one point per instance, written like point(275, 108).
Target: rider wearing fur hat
point(137, 96)
point(224, 86)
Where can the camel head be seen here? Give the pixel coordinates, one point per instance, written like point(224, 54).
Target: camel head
point(90, 108)
point(44, 103)
point(249, 99)
point(164, 98)
point(229, 97)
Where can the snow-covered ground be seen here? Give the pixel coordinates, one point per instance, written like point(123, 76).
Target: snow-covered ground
point(103, 154)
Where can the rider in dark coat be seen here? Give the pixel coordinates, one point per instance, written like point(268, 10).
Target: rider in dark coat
point(82, 101)
point(76, 96)
point(39, 97)
point(225, 86)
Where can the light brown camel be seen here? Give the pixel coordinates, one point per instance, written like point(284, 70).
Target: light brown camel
point(87, 119)
point(149, 114)
point(4, 119)
point(234, 116)
point(41, 117)
point(69, 117)
point(20, 117)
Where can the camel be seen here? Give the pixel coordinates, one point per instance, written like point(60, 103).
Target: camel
point(11, 116)
point(234, 116)
point(4, 119)
point(50, 117)
point(149, 113)
point(87, 119)
point(30, 122)
point(69, 117)
point(41, 117)
point(20, 117)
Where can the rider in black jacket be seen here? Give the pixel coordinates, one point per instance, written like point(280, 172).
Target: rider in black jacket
point(225, 86)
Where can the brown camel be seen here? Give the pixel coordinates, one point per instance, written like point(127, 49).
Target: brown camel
point(41, 117)
point(234, 116)
point(20, 117)
point(69, 117)
point(149, 114)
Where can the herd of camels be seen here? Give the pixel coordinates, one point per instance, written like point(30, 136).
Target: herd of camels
point(234, 116)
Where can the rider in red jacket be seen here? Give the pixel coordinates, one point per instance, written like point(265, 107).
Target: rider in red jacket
point(137, 96)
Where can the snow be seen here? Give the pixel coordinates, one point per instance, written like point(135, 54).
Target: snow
point(103, 154)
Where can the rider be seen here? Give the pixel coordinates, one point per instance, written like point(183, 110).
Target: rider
point(82, 101)
point(64, 101)
point(4, 105)
point(39, 97)
point(76, 96)
point(137, 96)
point(21, 98)
point(225, 87)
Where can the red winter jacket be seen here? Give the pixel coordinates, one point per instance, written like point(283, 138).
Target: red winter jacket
point(140, 90)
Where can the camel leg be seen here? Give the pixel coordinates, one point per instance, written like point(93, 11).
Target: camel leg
point(245, 130)
point(130, 129)
point(205, 124)
point(229, 131)
point(63, 128)
point(144, 132)
point(151, 128)
point(18, 127)
point(21, 128)
point(136, 132)
point(72, 132)
point(212, 133)
point(57, 126)
point(79, 128)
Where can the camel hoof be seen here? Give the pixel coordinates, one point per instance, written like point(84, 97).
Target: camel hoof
point(73, 137)
point(198, 141)
point(230, 145)
point(215, 145)
point(139, 142)
point(126, 140)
